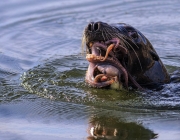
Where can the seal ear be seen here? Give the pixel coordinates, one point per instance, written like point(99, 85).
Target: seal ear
point(154, 55)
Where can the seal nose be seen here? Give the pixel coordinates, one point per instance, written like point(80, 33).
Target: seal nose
point(93, 27)
point(96, 26)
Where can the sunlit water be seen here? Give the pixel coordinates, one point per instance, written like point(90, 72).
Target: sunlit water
point(42, 89)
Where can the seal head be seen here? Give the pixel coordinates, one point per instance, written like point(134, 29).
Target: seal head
point(119, 53)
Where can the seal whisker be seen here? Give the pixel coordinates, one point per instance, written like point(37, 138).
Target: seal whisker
point(108, 35)
point(135, 54)
point(83, 41)
point(103, 35)
point(120, 37)
point(123, 41)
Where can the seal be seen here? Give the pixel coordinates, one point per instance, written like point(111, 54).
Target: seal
point(119, 53)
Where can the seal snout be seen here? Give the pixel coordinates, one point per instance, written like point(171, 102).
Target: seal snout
point(94, 26)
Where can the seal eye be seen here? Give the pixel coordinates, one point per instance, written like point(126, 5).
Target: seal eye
point(133, 34)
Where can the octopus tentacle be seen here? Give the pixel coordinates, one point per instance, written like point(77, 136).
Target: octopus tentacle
point(108, 51)
point(94, 58)
point(116, 41)
point(134, 82)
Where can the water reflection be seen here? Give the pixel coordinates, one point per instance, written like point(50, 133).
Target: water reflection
point(112, 128)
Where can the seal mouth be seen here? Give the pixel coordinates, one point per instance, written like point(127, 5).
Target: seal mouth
point(104, 68)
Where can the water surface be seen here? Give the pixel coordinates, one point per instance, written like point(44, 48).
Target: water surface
point(42, 89)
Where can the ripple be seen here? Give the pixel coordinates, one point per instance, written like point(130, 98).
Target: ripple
point(63, 79)
point(9, 66)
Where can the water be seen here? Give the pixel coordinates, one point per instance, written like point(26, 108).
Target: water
point(42, 90)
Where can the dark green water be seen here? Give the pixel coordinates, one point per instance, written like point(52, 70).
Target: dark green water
point(42, 89)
